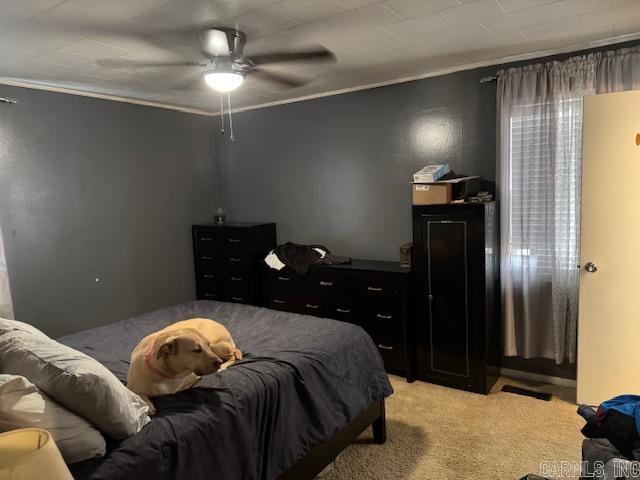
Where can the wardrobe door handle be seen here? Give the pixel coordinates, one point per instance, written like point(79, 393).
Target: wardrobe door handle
point(374, 289)
point(308, 305)
point(208, 276)
point(210, 295)
point(206, 239)
point(384, 317)
point(234, 240)
point(237, 299)
point(326, 284)
point(236, 279)
point(233, 259)
point(207, 258)
point(284, 279)
point(343, 310)
point(384, 347)
point(279, 302)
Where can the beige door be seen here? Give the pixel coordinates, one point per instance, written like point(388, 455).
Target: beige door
point(609, 321)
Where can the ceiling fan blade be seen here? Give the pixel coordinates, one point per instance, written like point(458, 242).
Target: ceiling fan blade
point(127, 63)
point(215, 43)
point(319, 55)
point(192, 83)
point(286, 80)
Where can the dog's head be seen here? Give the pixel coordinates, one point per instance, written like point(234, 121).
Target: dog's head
point(187, 350)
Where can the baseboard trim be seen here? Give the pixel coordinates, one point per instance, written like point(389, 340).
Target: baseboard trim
point(537, 377)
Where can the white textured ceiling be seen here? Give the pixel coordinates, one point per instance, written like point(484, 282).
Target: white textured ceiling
point(57, 42)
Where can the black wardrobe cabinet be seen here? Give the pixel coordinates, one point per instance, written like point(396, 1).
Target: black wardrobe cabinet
point(455, 297)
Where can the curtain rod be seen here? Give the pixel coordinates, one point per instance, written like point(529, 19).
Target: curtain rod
point(8, 100)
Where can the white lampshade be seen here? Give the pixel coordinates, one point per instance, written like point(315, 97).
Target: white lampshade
point(31, 454)
point(223, 81)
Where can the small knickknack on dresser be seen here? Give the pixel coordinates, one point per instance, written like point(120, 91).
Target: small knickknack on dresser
point(455, 294)
point(368, 293)
point(227, 260)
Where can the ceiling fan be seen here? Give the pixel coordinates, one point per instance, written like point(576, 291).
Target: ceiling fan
point(226, 64)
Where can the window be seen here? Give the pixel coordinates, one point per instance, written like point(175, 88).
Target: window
point(544, 184)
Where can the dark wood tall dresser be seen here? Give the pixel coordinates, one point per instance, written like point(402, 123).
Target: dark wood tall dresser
point(372, 294)
point(227, 260)
point(455, 295)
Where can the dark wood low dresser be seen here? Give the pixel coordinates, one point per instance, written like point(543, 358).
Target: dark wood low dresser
point(228, 258)
point(372, 294)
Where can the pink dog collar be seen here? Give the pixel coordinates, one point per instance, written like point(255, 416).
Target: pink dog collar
point(147, 359)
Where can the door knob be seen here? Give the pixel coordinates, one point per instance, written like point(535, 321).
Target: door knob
point(591, 267)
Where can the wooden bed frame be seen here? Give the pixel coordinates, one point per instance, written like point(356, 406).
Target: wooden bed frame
point(318, 458)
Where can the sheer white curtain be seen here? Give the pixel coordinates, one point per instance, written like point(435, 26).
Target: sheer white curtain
point(539, 164)
point(6, 305)
point(540, 139)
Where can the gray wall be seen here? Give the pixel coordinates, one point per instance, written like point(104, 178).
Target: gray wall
point(336, 170)
point(99, 189)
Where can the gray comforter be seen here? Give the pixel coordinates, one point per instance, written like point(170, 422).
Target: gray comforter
point(302, 379)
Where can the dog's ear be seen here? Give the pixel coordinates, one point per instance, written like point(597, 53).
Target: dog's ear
point(168, 347)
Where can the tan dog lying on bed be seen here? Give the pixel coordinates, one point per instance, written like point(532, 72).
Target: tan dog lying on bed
point(176, 357)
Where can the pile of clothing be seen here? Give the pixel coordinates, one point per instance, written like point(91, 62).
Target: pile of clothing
point(301, 257)
point(612, 447)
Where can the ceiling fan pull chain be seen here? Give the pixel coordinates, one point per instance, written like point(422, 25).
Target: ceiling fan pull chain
point(230, 117)
point(221, 114)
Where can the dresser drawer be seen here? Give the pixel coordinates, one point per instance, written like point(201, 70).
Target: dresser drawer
point(328, 282)
point(211, 290)
point(311, 304)
point(374, 286)
point(206, 242)
point(278, 281)
point(240, 293)
point(233, 239)
point(234, 260)
point(387, 331)
point(208, 261)
point(382, 312)
point(391, 350)
point(281, 302)
point(344, 309)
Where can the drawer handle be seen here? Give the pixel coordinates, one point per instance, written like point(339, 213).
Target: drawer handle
point(233, 259)
point(208, 276)
point(210, 295)
point(279, 302)
point(284, 279)
point(236, 279)
point(384, 317)
point(343, 310)
point(384, 347)
point(326, 284)
point(206, 239)
point(234, 240)
point(237, 299)
point(374, 289)
point(207, 258)
point(308, 305)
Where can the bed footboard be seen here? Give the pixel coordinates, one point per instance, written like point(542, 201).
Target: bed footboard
point(318, 458)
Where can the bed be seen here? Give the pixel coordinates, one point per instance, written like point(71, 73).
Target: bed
point(306, 388)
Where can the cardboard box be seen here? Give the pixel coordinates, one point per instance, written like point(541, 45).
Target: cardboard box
point(431, 193)
point(431, 173)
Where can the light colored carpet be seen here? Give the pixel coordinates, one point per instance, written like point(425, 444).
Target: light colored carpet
point(441, 433)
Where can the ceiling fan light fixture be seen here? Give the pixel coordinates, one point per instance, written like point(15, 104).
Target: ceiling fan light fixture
point(223, 81)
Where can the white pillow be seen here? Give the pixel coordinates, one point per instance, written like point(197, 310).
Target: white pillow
point(74, 380)
point(23, 406)
point(7, 325)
